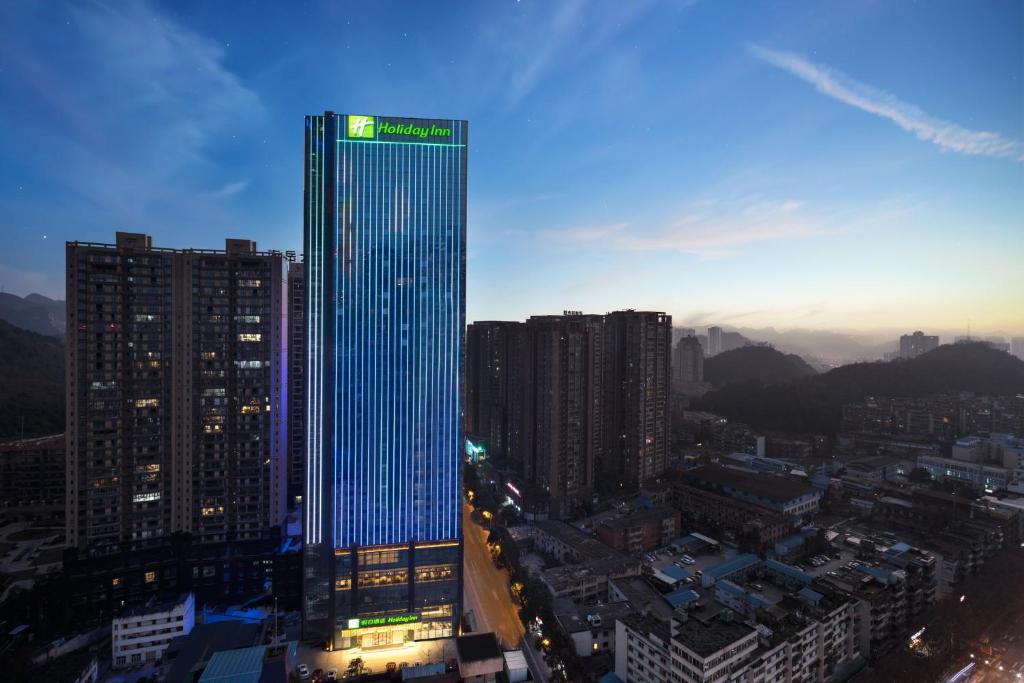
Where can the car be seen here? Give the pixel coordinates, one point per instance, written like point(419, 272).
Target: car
point(302, 671)
point(331, 675)
point(318, 676)
point(758, 587)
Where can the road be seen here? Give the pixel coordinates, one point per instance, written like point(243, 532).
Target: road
point(486, 587)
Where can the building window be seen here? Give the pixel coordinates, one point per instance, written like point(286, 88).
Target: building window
point(150, 577)
point(250, 337)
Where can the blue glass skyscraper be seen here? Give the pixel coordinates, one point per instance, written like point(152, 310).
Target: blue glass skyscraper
point(385, 251)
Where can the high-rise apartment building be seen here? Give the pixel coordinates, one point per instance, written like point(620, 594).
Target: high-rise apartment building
point(688, 367)
point(1017, 347)
point(558, 404)
point(714, 341)
point(385, 254)
point(638, 357)
point(175, 393)
point(296, 449)
point(488, 347)
point(913, 345)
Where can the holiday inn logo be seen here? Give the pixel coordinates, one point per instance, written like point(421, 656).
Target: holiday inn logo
point(360, 126)
point(411, 130)
point(379, 129)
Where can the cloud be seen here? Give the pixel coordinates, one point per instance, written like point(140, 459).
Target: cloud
point(230, 189)
point(709, 235)
point(945, 134)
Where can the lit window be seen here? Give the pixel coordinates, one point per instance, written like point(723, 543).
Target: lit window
point(247, 318)
point(249, 283)
point(147, 402)
point(116, 581)
point(145, 497)
point(250, 337)
point(213, 511)
point(150, 577)
point(209, 355)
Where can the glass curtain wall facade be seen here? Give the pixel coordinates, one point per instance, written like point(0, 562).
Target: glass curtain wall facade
point(385, 238)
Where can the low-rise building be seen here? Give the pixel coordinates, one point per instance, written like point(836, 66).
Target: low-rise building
point(641, 530)
point(591, 628)
point(142, 634)
point(783, 494)
point(761, 527)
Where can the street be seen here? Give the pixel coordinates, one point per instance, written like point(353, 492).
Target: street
point(486, 587)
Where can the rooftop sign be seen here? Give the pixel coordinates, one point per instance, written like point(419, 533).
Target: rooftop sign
point(362, 128)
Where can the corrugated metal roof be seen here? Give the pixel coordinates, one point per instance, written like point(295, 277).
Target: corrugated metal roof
point(235, 666)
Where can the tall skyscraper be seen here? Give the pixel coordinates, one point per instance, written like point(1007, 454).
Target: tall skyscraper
point(296, 378)
point(385, 245)
point(175, 393)
point(638, 352)
point(913, 345)
point(714, 341)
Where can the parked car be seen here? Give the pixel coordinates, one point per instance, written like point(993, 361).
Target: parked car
point(302, 671)
point(331, 675)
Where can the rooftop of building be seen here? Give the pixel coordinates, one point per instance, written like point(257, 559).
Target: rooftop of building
point(641, 516)
point(185, 654)
point(707, 636)
point(246, 665)
point(775, 487)
point(54, 441)
point(575, 618)
point(154, 606)
point(586, 547)
point(478, 647)
point(649, 624)
point(642, 597)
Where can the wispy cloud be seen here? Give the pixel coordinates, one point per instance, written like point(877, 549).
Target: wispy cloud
point(945, 134)
point(705, 234)
point(230, 189)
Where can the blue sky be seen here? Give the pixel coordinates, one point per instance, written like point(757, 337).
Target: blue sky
point(820, 165)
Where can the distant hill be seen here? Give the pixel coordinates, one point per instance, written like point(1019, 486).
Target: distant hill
point(31, 383)
point(34, 312)
point(755, 363)
point(824, 344)
point(814, 404)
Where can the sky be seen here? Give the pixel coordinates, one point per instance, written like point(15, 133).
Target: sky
point(848, 166)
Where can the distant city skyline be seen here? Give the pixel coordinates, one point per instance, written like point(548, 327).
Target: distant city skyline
point(844, 167)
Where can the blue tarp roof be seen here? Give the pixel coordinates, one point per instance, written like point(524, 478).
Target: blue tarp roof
point(877, 572)
point(610, 677)
point(810, 595)
point(788, 570)
point(758, 601)
point(677, 573)
point(900, 547)
point(682, 597)
point(736, 564)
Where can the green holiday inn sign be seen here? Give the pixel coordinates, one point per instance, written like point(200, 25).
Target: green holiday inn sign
point(362, 127)
point(391, 620)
